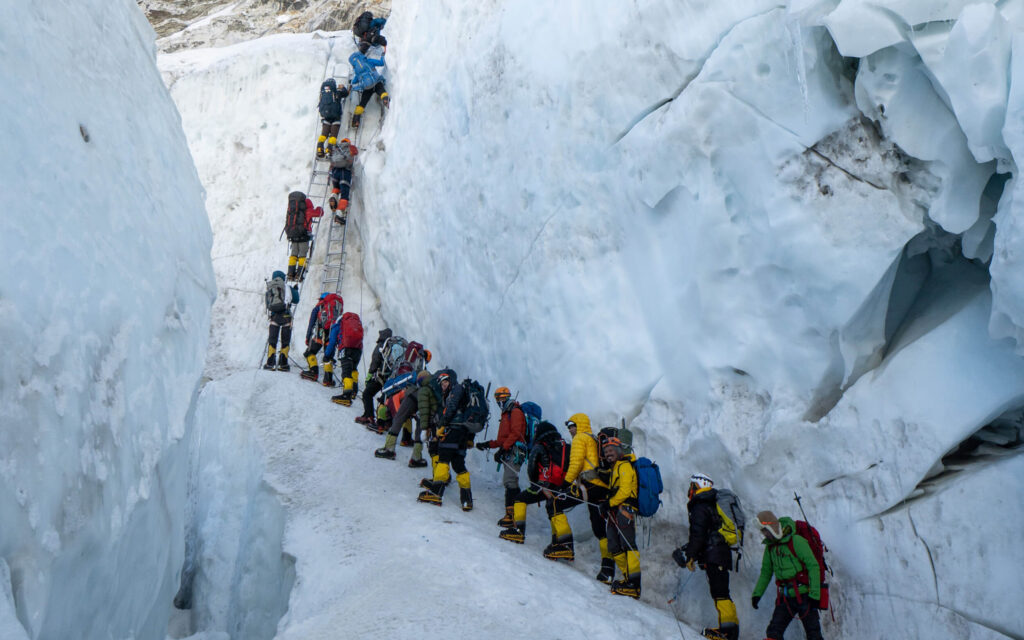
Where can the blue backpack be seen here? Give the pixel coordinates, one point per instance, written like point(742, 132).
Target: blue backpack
point(648, 487)
point(532, 412)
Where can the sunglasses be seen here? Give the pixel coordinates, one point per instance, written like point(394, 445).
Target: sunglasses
point(570, 424)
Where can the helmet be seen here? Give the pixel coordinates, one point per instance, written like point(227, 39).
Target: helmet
point(427, 355)
point(701, 480)
point(324, 295)
point(501, 394)
point(346, 140)
point(277, 274)
point(422, 376)
point(613, 443)
point(444, 376)
point(769, 525)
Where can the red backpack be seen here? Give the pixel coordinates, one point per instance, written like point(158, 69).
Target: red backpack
point(554, 473)
point(331, 308)
point(351, 331)
point(411, 360)
point(818, 548)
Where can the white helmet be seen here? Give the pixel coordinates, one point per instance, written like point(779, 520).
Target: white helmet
point(701, 480)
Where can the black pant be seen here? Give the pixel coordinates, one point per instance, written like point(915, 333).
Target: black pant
point(718, 581)
point(595, 496)
point(786, 609)
point(621, 530)
point(364, 96)
point(330, 129)
point(373, 387)
point(313, 348)
point(348, 360)
point(280, 323)
point(341, 179)
point(453, 455)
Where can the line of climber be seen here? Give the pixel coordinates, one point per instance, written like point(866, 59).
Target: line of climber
point(301, 214)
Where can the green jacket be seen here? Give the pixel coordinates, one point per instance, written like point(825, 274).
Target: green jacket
point(428, 403)
point(781, 562)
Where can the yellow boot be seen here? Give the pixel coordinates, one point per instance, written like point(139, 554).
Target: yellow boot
point(517, 532)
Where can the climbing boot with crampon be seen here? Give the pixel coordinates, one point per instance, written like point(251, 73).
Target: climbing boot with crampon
point(417, 463)
point(362, 419)
point(560, 551)
point(406, 440)
point(513, 534)
point(466, 499)
point(313, 374)
point(507, 521)
point(432, 495)
point(626, 588)
point(271, 364)
point(282, 363)
point(343, 400)
point(328, 379)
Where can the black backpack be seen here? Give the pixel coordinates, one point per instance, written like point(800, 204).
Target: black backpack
point(295, 223)
point(472, 411)
point(362, 24)
point(330, 105)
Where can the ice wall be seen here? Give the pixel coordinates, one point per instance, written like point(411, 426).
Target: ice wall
point(105, 295)
point(764, 230)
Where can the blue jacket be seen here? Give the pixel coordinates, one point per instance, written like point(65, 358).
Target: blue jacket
point(377, 24)
point(332, 341)
point(364, 76)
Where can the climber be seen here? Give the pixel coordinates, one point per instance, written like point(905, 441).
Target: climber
point(332, 103)
point(429, 401)
point(549, 456)
point(326, 311)
point(790, 559)
point(367, 81)
point(708, 549)
point(374, 379)
point(342, 157)
point(279, 300)
point(453, 438)
point(347, 337)
point(620, 514)
point(402, 421)
point(298, 225)
point(367, 29)
point(583, 473)
point(511, 448)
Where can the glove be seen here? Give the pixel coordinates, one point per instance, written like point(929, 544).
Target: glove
point(483, 446)
point(679, 555)
point(691, 564)
point(754, 600)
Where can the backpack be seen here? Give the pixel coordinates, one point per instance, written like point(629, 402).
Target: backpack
point(330, 105)
point(730, 514)
point(532, 412)
point(351, 329)
point(472, 411)
point(412, 358)
point(648, 487)
point(275, 296)
point(330, 310)
point(393, 353)
point(558, 453)
point(818, 548)
point(295, 223)
point(341, 156)
point(362, 24)
point(397, 383)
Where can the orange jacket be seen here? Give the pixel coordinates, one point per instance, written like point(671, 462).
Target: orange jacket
point(511, 429)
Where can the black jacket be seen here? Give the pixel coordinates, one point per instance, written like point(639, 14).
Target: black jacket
point(377, 360)
point(706, 545)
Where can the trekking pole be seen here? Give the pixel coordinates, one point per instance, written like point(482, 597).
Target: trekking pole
point(487, 425)
point(796, 499)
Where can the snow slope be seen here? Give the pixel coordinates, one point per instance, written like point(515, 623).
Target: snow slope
point(761, 233)
point(104, 314)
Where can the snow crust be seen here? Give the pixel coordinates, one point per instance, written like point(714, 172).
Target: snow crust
point(104, 314)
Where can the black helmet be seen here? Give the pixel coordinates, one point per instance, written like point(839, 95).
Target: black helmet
point(364, 47)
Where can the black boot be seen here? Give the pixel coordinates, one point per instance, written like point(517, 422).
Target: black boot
point(270, 363)
point(433, 494)
point(629, 588)
point(328, 379)
point(466, 497)
point(507, 520)
point(560, 551)
point(313, 374)
point(607, 572)
point(282, 362)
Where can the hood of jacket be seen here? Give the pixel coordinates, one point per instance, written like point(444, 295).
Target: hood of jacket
point(582, 421)
point(788, 529)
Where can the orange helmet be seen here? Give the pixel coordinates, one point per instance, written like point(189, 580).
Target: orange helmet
point(502, 394)
point(427, 355)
